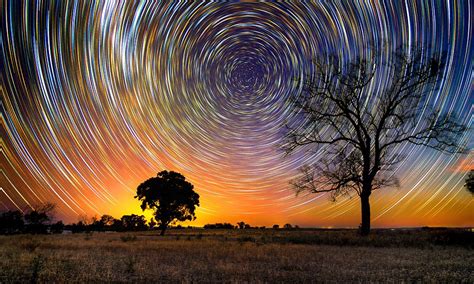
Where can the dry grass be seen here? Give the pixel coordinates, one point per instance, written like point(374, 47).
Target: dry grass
point(226, 256)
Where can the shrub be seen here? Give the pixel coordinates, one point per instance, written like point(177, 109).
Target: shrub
point(128, 238)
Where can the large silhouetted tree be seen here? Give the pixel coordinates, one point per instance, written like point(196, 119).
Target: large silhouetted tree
point(361, 123)
point(170, 196)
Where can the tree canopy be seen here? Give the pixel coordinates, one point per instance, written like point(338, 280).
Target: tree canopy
point(170, 196)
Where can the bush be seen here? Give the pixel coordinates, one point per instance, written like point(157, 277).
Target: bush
point(128, 238)
point(453, 237)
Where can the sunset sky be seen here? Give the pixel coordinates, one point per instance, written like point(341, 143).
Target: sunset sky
point(98, 97)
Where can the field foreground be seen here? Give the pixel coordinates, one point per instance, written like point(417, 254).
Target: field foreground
point(235, 256)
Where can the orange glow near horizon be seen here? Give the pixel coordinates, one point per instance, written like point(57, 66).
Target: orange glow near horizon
point(391, 207)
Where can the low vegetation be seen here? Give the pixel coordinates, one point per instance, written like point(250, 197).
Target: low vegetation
point(248, 255)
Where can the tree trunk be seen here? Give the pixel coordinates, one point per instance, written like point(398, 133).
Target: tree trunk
point(365, 214)
point(163, 229)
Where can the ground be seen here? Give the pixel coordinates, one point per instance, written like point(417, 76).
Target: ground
point(238, 256)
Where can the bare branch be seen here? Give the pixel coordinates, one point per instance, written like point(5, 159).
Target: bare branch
point(359, 121)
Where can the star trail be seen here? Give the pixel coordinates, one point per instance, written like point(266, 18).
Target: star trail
point(96, 97)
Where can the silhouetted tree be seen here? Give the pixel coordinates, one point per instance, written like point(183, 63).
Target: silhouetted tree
point(276, 226)
point(100, 224)
point(96, 224)
point(106, 222)
point(363, 123)
point(78, 227)
point(170, 196)
point(37, 219)
point(470, 182)
point(134, 222)
point(84, 224)
point(117, 225)
point(57, 228)
point(241, 225)
point(287, 226)
point(11, 222)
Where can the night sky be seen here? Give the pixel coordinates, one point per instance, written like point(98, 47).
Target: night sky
point(98, 97)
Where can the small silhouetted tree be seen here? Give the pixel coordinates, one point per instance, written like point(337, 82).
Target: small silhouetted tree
point(96, 224)
point(57, 228)
point(78, 227)
point(470, 182)
point(134, 222)
point(11, 222)
point(170, 196)
point(287, 226)
point(361, 123)
point(37, 219)
point(117, 225)
point(106, 222)
point(83, 224)
point(276, 226)
point(241, 225)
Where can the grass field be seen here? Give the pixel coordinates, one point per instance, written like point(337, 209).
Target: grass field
point(239, 256)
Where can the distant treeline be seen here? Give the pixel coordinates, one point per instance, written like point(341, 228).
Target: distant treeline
point(40, 221)
point(243, 225)
point(37, 221)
